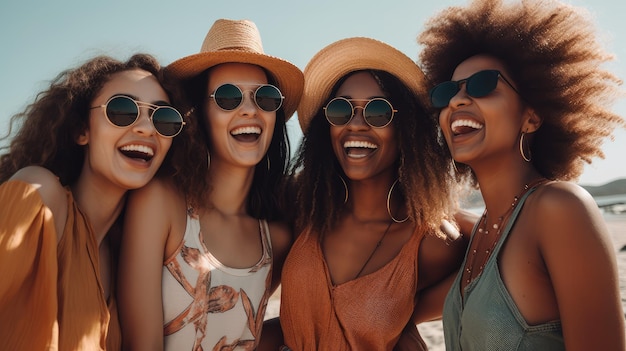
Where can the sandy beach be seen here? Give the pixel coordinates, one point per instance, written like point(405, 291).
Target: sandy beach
point(432, 331)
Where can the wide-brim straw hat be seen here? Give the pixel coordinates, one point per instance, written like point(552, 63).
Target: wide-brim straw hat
point(239, 41)
point(336, 60)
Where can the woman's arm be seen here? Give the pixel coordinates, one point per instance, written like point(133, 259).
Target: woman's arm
point(575, 245)
point(148, 220)
point(281, 243)
point(439, 262)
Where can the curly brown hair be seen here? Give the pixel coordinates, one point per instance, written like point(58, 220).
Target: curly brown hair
point(49, 126)
point(190, 160)
point(423, 166)
point(552, 53)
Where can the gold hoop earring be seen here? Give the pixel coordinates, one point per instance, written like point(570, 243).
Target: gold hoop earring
point(345, 187)
point(268, 162)
point(521, 149)
point(208, 159)
point(389, 207)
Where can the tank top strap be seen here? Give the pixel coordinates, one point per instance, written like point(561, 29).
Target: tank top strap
point(266, 238)
point(512, 220)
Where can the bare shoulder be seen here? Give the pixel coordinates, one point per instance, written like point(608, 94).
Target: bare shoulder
point(159, 194)
point(157, 206)
point(53, 194)
point(564, 211)
point(46, 183)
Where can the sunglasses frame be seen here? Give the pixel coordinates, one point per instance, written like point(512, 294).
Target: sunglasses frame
point(467, 81)
point(349, 101)
point(153, 108)
point(254, 96)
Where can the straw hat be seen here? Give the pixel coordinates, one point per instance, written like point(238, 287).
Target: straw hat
point(336, 60)
point(240, 41)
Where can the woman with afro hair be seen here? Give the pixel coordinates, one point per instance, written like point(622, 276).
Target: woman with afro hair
point(524, 102)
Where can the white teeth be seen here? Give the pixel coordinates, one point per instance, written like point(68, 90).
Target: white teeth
point(138, 148)
point(465, 123)
point(361, 144)
point(246, 130)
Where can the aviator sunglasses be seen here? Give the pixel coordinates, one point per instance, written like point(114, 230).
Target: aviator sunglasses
point(477, 85)
point(123, 111)
point(377, 112)
point(229, 96)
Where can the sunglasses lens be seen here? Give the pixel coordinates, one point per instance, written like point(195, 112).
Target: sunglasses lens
point(441, 94)
point(482, 83)
point(227, 97)
point(122, 111)
point(268, 98)
point(167, 121)
point(338, 112)
point(378, 112)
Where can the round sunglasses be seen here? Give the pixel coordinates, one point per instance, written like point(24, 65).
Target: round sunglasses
point(123, 111)
point(266, 97)
point(477, 85)
point(377, 112)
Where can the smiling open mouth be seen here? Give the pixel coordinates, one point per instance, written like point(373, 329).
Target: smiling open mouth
point(246, 134)
point(464, 126)
point(359, 149)
point(138, 152)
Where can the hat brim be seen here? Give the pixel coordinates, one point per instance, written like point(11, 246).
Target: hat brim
point(336, 60)
point(289, 78)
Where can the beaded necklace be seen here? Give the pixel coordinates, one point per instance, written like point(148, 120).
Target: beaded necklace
point(483, 232)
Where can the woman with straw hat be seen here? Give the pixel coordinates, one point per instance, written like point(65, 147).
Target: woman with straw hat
point(372, 187)
point(204, 250)
point(524, 102)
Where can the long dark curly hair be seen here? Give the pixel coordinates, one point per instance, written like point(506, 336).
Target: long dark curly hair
point(422, 167)
point(49, 126)
point(552, 53)
point(264, 200)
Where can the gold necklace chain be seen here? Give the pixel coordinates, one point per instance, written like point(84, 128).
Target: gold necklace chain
point(470, 271)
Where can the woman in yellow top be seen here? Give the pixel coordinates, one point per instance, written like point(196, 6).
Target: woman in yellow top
point(99, 130)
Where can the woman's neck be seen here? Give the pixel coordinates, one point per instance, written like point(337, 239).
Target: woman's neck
point(230, 187)
point(499, 189)
point(101, 205)
point(368, 198)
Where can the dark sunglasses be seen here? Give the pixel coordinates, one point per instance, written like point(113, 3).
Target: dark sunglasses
point(123, 111)
point(477, 85)
point(229, 96)
point(377, 112)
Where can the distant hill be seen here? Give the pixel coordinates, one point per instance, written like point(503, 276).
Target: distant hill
point(474, 199)
point(615, 187)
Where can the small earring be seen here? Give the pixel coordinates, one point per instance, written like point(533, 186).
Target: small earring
point(345, 187)
point(521, 149)
point(268, 162)
point(389, 207)
point(208, 158)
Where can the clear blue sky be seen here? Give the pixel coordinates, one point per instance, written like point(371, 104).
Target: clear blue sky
point(39, 39)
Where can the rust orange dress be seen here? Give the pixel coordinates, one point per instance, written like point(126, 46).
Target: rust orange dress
point(368, 313)
point(51, 297)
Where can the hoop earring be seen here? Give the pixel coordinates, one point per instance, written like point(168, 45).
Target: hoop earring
point(456, 170)
point(208, 159)
point(268, 162)
point(389, 207)
point(345, 187)
point(521, 149)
